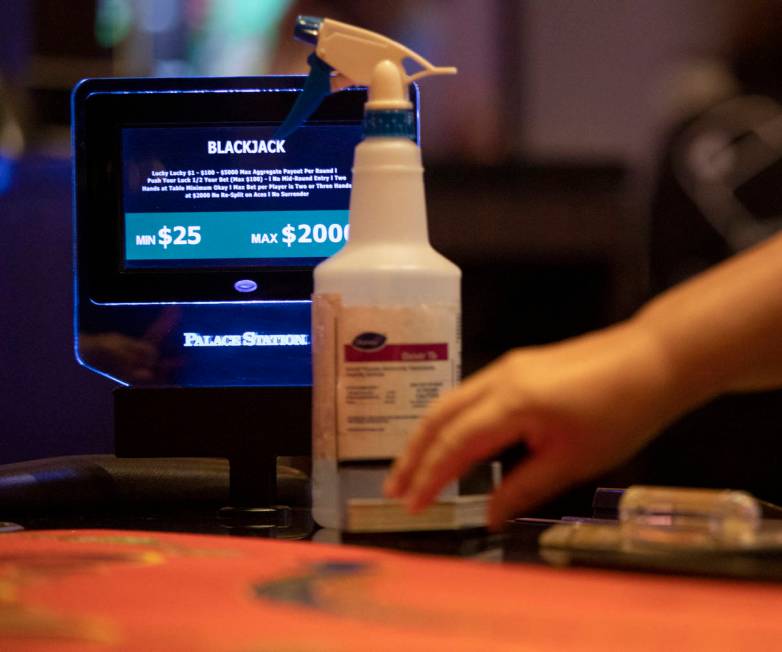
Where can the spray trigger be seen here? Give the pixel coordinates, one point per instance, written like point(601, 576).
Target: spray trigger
point(358, 57)
point(316, 87)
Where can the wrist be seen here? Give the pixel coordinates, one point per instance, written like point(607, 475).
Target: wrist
point(688, 375)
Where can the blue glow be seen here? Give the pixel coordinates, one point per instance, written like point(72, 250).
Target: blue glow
point(6, 173)
point(117, 332)
point(246, 285)
point(237, 302)
point(221, 91)
point(164, 322)
point(94, 369)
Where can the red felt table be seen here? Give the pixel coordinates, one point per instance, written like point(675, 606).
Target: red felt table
point(102, 590)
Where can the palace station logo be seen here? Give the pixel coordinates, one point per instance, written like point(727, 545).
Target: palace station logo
point(248, 338)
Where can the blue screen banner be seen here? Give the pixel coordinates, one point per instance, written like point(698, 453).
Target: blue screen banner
point(235, 193)
point(239, 234)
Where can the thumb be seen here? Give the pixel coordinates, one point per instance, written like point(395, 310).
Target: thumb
point(538, 478)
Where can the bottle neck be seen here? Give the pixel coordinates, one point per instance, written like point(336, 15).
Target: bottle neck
point(387, 203)
point(390, 123)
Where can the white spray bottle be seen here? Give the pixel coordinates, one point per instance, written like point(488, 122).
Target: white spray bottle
point(386, 308)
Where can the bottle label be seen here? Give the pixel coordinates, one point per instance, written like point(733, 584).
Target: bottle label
point(387, 365)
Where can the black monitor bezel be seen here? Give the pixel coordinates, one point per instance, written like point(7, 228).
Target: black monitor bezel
point(102, 108)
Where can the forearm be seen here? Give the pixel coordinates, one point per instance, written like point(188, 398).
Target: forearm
point(586, 404)
point(722, 331)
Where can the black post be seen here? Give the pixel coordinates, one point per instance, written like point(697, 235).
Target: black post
point(250, 426)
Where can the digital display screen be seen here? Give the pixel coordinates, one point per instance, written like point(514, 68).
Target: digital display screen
point(212, 196)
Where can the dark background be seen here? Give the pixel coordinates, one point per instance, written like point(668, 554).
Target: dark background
point(548, 182)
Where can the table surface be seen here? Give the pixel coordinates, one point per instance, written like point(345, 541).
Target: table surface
point(518, 543)
point(134, 590)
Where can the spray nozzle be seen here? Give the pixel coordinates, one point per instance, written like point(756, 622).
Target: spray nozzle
point(307, 28)
point(357, 57)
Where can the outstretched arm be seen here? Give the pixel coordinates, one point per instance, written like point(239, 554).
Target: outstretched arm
point(584, 405)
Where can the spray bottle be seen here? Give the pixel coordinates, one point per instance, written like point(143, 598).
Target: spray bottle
point(386, 308)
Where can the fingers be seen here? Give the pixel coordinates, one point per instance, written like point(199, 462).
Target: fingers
point(452, 402)
point(441, 411)
point(398, 479)
point(538, 478)
point(478, 432)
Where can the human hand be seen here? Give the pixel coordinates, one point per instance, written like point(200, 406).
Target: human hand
point(581, 406)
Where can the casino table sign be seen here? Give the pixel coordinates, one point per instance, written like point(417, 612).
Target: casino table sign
point(85, 590)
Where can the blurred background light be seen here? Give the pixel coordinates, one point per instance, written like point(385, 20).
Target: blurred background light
point(158, 16)
point(113, 22)
point(238, 37)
